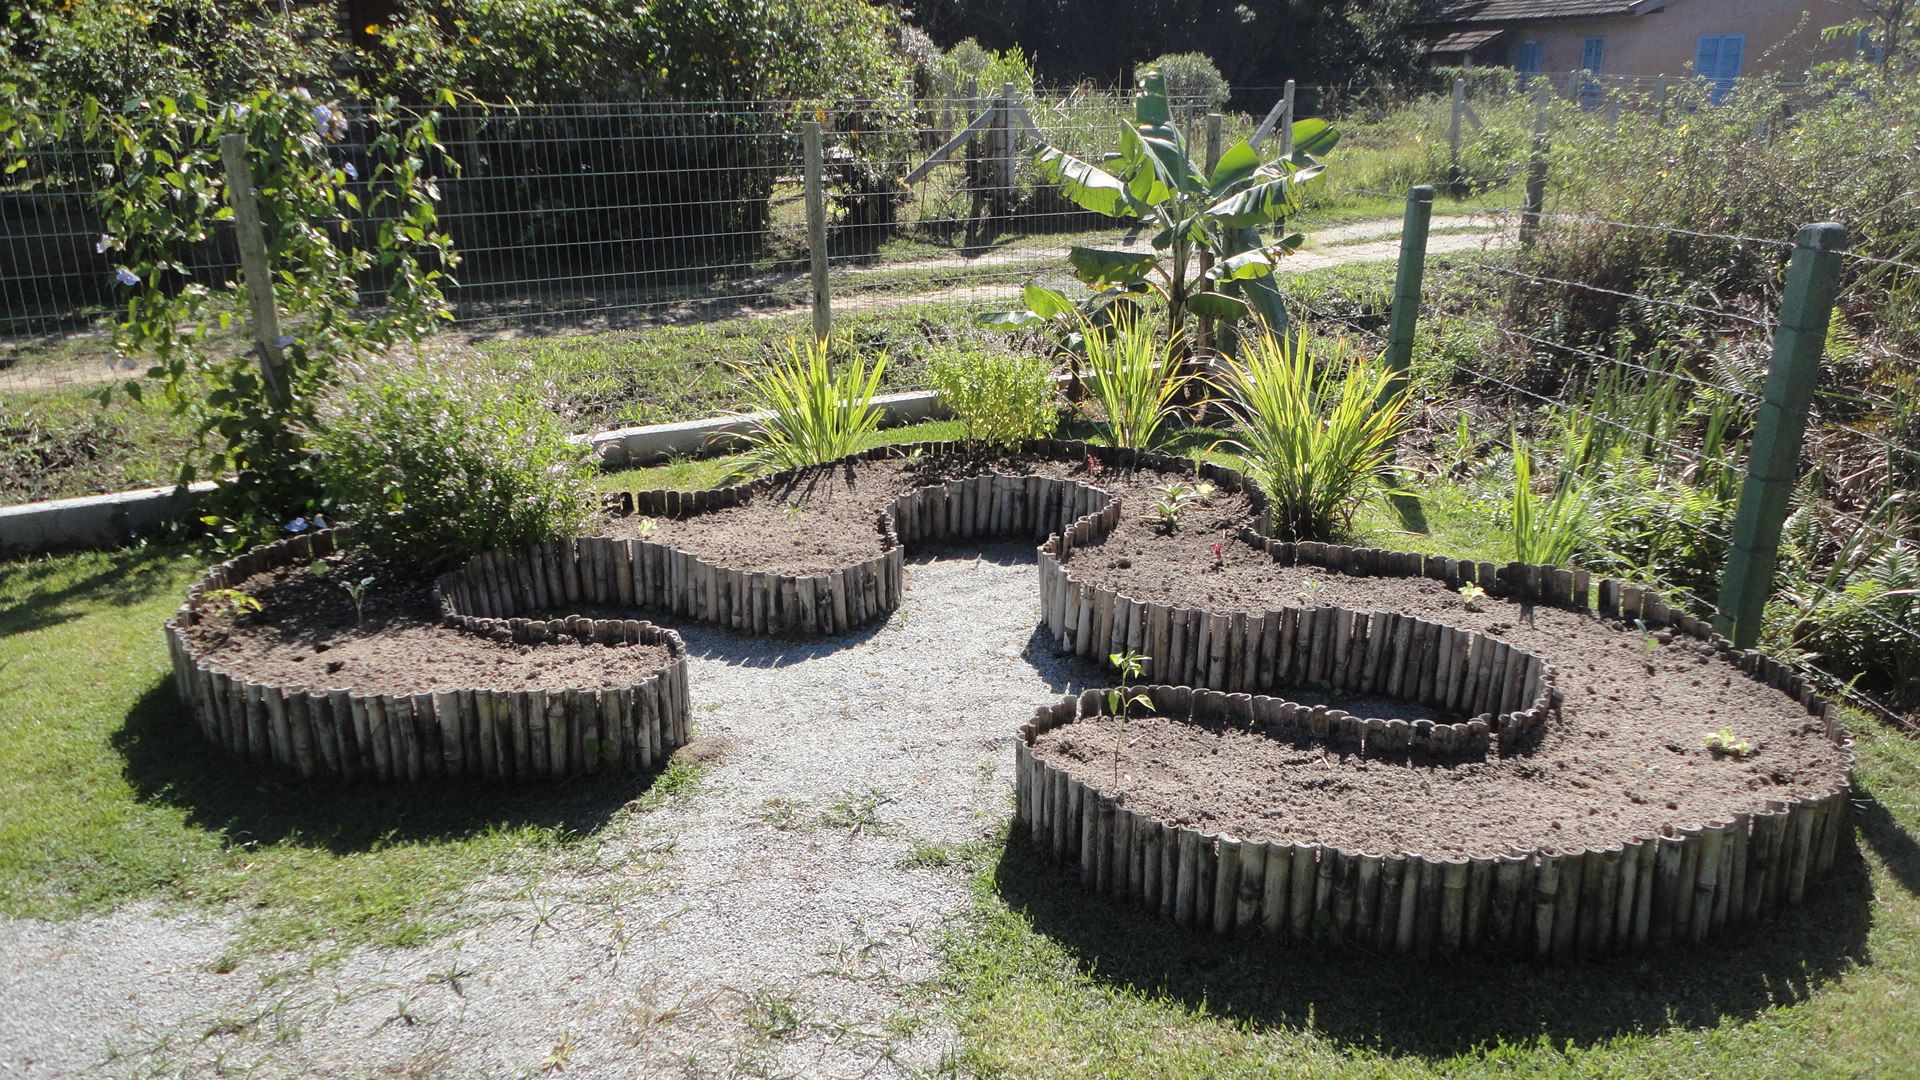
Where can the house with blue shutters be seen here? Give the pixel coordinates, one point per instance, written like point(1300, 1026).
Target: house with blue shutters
point(1719, 40)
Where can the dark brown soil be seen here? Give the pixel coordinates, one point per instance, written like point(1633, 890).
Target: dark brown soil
point(829, 518)
point(307, 634)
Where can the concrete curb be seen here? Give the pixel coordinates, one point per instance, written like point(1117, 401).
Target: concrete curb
point(90, 521)
point(625, 447)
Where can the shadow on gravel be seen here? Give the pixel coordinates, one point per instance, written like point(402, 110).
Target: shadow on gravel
point(168, 764)
point(1402, 1006)
point(744, 650)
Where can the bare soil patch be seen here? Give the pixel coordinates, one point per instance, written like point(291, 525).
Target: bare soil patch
point(309, 633)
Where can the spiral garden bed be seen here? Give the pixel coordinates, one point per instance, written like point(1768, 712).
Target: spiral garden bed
point(1341, 744)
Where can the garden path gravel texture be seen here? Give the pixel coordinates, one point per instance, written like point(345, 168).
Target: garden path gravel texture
point(783, 919)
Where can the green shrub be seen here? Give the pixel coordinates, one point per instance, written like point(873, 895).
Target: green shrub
point(434, 465)
point(1319, 439)
point(808, 415)
point(970, 69)
point(1193, 80)
point(1001, 401)
point(1135, 375)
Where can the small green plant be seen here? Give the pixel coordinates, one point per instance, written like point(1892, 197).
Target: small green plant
point(1544, 531)
point(1136, 378)
point(1318, 438)
point(1471, 595)
point(1000, 401)
point(319, 569)
point(438, 463)
point(357, 592)
point(1724, 743)
point(1119, 703)
point(794, 512)
point(230, 603)
point(646, 526)
point(803, 413)
point(1175, 498)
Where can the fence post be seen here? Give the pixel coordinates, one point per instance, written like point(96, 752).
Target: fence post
point(1660, 98)
point(254, 271)
point(1536, 196)
point(817, 230)
point(1453, 136)
point(1406, 285)
point(1003, 126)
point(1286, 121)
point(1773, 458)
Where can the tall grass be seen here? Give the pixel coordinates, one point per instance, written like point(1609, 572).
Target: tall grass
point(1319, 438)
point(1548, 530)
point(807, 414)
point(1136, 376)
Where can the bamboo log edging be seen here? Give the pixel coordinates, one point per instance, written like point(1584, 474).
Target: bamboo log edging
point(479, 733)
point(1647, 892)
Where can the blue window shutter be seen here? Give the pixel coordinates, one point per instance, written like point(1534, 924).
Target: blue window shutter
point(1706, 62)
point(1731, 46)
point(1527, 60)
point(1593, 54)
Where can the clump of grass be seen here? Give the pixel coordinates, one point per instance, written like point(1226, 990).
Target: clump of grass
point(808, 414)
point(1135, 376)
point(1319, 438)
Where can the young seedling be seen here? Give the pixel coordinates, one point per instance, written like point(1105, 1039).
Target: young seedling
point(1471, 595)
point(1093, 465)
point(794, 512)
point(1219, 550)
point(645, 526)
point(231, 603)
point(1130, 664)
point(1724, 743)
point(1176, 497)
point(357, 592)
point(318, 569)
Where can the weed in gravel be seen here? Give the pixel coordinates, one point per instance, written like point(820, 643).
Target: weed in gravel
point(780, 812)
point(774, 1016)
point(858, 813)
point(562, 1052)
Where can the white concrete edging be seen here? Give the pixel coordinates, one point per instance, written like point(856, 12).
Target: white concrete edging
point(89, 521)
point(625, 447)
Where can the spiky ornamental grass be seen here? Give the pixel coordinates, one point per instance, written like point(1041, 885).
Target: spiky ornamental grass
point(1319, 438)
point(806, 414)
point(1136, 377)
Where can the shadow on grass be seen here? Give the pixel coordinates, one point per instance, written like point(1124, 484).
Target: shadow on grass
point(1403, 1006)
point(169, 764)
point(45, 592)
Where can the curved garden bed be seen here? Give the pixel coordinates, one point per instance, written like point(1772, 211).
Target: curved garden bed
point(380, 688)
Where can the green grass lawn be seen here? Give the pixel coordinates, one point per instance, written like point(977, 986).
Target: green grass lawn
point(111, 796)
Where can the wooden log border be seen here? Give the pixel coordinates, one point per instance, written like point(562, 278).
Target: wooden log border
point(638, 572)
point(468, 733)
point(1633, 896)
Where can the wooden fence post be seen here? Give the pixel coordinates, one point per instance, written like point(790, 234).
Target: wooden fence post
point(1660, 99)
point(1536, 196)
point(817, 230)
point(264, 319)
point(1286, 120)
point(1003, 142)
point(1773, 458)
point(1454, 176)
point(1406, 286)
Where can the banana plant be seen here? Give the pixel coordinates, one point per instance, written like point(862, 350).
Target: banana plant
point(1212, 255)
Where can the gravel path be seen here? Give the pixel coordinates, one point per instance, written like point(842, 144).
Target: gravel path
point(781, 920)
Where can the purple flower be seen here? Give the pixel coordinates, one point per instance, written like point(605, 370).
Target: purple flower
point(352, 173)
point(319, 522)
point(100, 246)
point(322, 114)
point(126, 277)
point(298, 524)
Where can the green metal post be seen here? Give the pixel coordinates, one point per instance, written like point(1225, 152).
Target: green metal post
point(1406, 285)
point(1773, 460)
